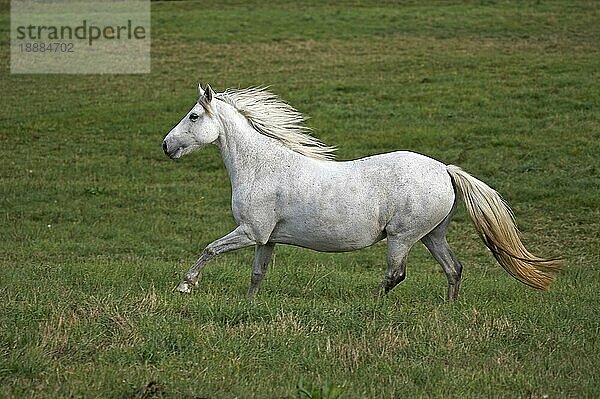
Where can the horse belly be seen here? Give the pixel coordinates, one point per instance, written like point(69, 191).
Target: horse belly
point(330, 226)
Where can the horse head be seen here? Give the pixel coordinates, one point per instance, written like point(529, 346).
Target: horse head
point(198, 128)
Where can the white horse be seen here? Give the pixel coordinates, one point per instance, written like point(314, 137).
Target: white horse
point(287, 189)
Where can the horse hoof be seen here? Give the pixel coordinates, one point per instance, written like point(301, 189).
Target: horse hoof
point(379, 292)
point(185, 287)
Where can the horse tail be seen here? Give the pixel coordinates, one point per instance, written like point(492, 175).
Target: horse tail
point(494, 222)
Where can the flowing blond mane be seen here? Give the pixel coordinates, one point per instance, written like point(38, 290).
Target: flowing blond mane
point(274, 118)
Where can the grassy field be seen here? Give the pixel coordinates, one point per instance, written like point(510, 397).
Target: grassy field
point(97, 225)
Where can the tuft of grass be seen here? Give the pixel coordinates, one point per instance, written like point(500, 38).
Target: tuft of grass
point(326, 391)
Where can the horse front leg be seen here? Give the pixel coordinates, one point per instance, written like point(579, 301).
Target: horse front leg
point(237, 239)
point(262, 258)
point(397, 252)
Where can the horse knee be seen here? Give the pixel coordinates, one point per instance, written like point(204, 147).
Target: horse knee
point(210, 251)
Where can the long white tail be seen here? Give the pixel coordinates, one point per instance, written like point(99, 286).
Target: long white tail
point(495, 224)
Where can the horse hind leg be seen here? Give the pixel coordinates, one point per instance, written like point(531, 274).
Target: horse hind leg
point(436, 243)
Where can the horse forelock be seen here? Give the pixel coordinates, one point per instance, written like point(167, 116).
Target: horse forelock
point(272, 117)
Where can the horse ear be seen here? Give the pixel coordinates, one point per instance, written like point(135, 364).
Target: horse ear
point(200, 91)
point(208, 93)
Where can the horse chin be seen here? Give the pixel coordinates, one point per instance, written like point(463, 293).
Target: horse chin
point(176, 154)
point(181, 151)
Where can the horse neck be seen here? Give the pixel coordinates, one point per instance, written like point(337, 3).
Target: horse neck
point(244, 150)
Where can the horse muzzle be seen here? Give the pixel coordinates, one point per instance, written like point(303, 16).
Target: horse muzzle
point(172, 153)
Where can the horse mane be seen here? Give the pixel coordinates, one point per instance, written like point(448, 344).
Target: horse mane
point(275, 118)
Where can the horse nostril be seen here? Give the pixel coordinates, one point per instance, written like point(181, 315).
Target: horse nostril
point(164, 146)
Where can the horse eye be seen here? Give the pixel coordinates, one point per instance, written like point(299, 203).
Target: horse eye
point(193, 117)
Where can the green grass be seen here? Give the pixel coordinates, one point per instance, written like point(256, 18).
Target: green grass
point(98, 226)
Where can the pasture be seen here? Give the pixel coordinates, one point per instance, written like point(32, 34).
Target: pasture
point(98, 226)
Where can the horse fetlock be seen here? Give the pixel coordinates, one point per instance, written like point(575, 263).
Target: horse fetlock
point(454, 277)
point(395, 277)
point(453, 291)
point(252, 291)
point(400, 277)
point(256, 277)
